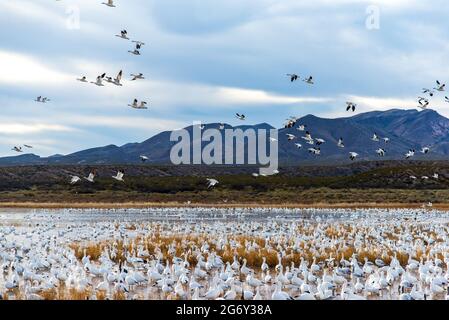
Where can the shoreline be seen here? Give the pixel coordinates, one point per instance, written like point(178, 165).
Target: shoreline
point(142, 205)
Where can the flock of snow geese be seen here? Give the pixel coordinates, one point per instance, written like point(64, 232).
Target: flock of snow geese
point(232, 254)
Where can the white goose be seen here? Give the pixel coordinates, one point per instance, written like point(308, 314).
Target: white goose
point(110, 3)
point(119, 176)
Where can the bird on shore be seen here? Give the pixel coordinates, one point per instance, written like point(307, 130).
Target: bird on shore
point(119, 176)
point(293, 77)
point(211, 183)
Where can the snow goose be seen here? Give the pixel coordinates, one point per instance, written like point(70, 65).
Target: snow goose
point(298, 145)
point(301, 127)
point(211, 183)
point(381, 152)
point(17, 149)
point(340, 143)
point(91, 177)
point(410, 154)
point(119, 176)
point(99, 81)
point(74, 179)
point(315, 151)
point(240, 116)
point(319, 141)
point(428, 91)
point(138, 76)
point(123, 34)
point(425, 150)
point(82, 79)
point(351, 106)
point(353, 155)
point(110, 3)
point(278, 294)
point(423, 103)
point(136, 105)
point(308, 80)
point(293, 77)
point(440, 86)
point(290, 137)
point(144, 158)
point(375, 137)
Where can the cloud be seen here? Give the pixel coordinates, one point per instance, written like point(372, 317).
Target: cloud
point(31, 128)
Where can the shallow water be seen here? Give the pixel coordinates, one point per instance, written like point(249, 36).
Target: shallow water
point(32, 237)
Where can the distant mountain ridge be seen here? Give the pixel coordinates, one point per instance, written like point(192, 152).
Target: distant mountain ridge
point(407, 129)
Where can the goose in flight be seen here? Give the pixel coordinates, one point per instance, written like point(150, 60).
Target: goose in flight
point(319, 141)
point(144, 158)
point(381, 152)
point(315, 151)
point(386, 140)
point(446, 99)
point(211, 183)
point(42, 99)
point(240, 116)
point(428, 91)
point(423, 103)
point(91, 177)
point(353, 155)
point(298, 145)
point(136, 50)
point(273, 140)
point(290, 137)
point(123, 34)
point(308, 80)
point(74, 179)
point(139, 44)
point(28, 146)
point(435, 176)
point(375, 137)
point(136, 105)
point(340, 143)
point(110, 3)
point(440, 86)
point(17, 149)
point(413, 177)
point(301, 127)
point(410, 154)
point(425, 150)
point(350, 106)
point(118, 79)
point(138, 76)
point(82, 79)
point(99, 81)
point(119, 176)
point(293, 77)
point(290, 123)
point(222, 126)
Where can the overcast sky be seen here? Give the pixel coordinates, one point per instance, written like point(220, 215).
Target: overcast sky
point(205, 60)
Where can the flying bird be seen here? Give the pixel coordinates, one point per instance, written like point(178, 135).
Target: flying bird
point(308, 80)
point(293, 77)
point(123, 34)
point(301, 127)
point(82, 79)
point(110, 3)
point(119, 176)
point(381, 152)
point(211, 183)
point(319, 141)
point(74, 179)
point(91, 177)
point(315, 151)
point(353, 155)
point(428, 91)
point(386, 140)
point(423, 103)
point(240, 116)
point(410, 154)
point(17, 149)
point(298, 145)
point(290, 137)
point(375, 137)
point(99, 81)
point(440, 86)
point(340, 143)
point(136, 105)
point(138, 76)
point(144, 158)
point(425, 150)
point(28, 146)
point(351, 106)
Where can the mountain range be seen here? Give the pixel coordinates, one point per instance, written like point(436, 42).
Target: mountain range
point(406, 129)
